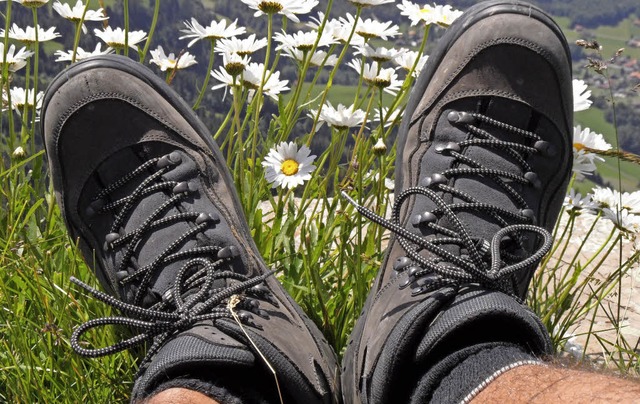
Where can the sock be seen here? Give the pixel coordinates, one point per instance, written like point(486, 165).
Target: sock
point(461, 375)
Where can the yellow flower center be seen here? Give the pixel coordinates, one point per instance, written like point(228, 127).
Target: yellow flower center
point(578, 146)
point(426, 11)
point(289, 167)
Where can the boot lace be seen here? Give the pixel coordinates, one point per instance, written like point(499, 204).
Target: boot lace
point(194, 296)
point(442, 268)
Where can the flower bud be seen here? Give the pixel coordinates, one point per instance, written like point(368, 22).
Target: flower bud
point(379, 147)
point(19, 153)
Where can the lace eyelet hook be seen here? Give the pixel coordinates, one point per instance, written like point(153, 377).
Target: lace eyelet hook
point(184, 187)
point(461, 117)
point(169, 160)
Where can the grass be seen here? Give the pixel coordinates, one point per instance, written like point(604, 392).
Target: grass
point(630, 173)
point(340, 94)
point(611, 38)
point(325, 251)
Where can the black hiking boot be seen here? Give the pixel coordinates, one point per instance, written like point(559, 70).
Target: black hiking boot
point(148, 196)
point(483, 161)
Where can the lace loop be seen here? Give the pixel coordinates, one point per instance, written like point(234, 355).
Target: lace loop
point(201, 287)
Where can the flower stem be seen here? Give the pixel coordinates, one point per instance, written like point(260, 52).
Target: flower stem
point(36, 59)
point(126, 27)
point(408, 81)
point(5, 79)
point(333, 73)
point(258, 104)
point(356, 147)
point(152, 29)
point(207, 76)
point(306, 62)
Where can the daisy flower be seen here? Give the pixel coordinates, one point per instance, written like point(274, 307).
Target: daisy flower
point(336, 29)
point(288, 8)
point(171, 62)
point(339, 118)
point(318, 58)
point(441, 15)
point(77, 13)
point(583, 163)
point(32, 3)
point(28, 35)
point(371, 28)
point(583, 160)
point(369, 3)
point(373, 176)
point(406, 60)
point(287, 166)
point(575, 202)
point(373, 75)
point(623, 219)
point(115, 38)
point(631, 201)
point(20, 98)
point(81, 54)
point(15, 61)
point(605, 197)
point(226, 80)
point(586, 138)
point(252, 77)
point(610, 198)
point(234, 64)
point(301, 40)
point(380, 54)
point(216, 30)
point(242, 47)
point(581, 96)
point(387, 117)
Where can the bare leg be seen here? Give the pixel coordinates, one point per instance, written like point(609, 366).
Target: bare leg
point(548, 384)
point(180, 396)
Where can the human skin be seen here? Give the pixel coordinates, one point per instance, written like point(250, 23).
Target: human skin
point(551, 384)
point(180, 396)
point(542, 384)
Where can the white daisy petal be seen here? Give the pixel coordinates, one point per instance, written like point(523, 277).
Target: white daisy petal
point(288, 8)
point(28, 35)
point(77, 13)
point(171, 61)
point(115, 38)
point(581, 96)
point(216, 30)
point(341, 117)
point(81, 54)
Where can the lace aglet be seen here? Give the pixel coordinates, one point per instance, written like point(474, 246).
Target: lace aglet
point(350, 199)
point(78, 282)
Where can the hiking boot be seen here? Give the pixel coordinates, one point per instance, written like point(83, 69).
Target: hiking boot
point(483, 161)
point(148, 196)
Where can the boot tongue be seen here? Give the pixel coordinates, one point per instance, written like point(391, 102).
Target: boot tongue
point(152, 243)
point(479, 224)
